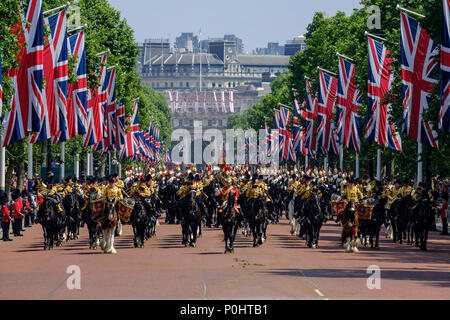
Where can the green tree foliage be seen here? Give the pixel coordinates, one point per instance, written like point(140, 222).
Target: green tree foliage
point(345, 34)
point(106, 30)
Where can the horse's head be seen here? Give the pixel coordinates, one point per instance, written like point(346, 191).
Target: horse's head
point(350, 213)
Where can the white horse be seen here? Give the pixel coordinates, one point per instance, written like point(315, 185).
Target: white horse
point(295, 227)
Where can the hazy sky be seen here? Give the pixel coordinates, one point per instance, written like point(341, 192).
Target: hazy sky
point(256, 22)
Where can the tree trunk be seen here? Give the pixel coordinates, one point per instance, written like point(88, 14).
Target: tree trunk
point(20, 176)
point(8, 177)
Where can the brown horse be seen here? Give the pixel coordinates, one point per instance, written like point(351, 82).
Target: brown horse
point(350, 224)
point(108, 223)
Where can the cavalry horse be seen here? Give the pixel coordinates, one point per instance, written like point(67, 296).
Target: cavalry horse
point(151, 206)
point(72, 207)
point(139, 222)
point(422, 218)
point(313, 220)
point(350, 223)
point(91, 223)
point(370, 229)
point(229, 221)
point(211, 191)
point(258, 220)
point(47, 216)
point(191, 220)
point(108, 224)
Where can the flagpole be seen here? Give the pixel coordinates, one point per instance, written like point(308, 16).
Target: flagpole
point(2, 169)
point(325, 163)
point(379, 164)
point(77, 166)
point(341, 158)
point(357, 165)
point(119, 167)
point(63, 159)
point(30, 159)
point(419, 163)
point(2, 159)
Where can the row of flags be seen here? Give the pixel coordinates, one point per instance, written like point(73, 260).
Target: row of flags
point(59, 110)
point(178, 105)
point(142, 145)
point(419, 76)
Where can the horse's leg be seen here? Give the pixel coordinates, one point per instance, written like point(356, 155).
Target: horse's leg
point(226, 236)
point(46, 241)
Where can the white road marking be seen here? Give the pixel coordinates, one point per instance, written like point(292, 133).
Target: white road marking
point(316, 288)
point(319, 293)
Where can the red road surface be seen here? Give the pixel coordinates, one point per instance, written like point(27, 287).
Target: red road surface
point(283, 268)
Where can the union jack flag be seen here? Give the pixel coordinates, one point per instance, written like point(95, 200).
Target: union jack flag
point(56, 90)
point(286, 145)
point(444, 116)
point(120, 125)
point(102, 100)
point(419, 68)
point(310, 115)
point(134, 125)
point(56, 72)
point(334, 140)
point(325, 104)
point(129, 149)
point(28, 103)
point(379, 128)
point(94, 133)
point(348, 103)
point(110, 141)
point(77, 116)
point(296, 125)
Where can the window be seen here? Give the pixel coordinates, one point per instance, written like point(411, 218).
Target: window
point(181, 84)
point(171, 84)
point(187, 84)
point(180, 123)
point(209, 123)
point(220, 123)
point(213, 84)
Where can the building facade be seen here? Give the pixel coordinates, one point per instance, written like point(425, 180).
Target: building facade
point(198, 81)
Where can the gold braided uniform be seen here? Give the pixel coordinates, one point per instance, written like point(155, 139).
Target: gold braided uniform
point(113, 192)
point(405, 191)
point(243, 187)
point(307, 190)
point(391, 193)
point(352, 193)
point(183, 192)
point(120, 184)
point(253, 192)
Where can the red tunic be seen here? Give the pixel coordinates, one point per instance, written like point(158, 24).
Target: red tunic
point(17, 206)
point(6, 217)
point(443, 209)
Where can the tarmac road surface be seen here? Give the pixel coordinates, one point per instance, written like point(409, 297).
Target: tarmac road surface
point(283, 268)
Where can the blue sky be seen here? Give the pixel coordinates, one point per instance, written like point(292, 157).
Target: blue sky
point(256, 22)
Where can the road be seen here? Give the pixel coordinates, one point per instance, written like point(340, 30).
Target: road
point(283, 268)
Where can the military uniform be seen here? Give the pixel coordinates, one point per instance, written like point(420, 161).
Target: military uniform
point(112, 191)
point(352, 192)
